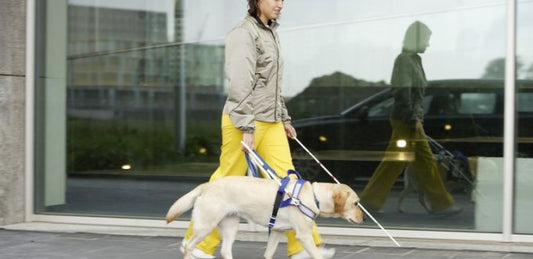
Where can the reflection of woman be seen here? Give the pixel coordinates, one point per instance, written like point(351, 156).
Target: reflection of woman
point(409, 81)
point(255, 111)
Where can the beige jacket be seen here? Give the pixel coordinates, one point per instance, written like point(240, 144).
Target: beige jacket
point(254, 72)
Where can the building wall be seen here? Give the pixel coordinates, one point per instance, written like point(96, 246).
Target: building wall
point(12, 112)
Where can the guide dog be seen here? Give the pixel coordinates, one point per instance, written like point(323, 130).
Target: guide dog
point(221, 203)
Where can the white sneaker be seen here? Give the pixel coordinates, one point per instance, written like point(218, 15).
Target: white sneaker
point(327, 253)
point(196, 253)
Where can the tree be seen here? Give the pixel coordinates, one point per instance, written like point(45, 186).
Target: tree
point(331, 94)
point(529, 72)
point(496, 69)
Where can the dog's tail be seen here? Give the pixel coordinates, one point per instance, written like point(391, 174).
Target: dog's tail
point(184, 203)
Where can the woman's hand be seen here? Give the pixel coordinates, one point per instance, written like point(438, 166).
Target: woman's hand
point(289, 129)
point(248, 139)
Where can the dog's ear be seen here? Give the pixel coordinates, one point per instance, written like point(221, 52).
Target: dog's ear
point(339, 200)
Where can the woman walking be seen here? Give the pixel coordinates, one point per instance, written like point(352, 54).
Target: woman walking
point(255, 112)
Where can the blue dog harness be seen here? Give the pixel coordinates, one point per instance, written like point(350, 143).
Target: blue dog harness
point(292, 200)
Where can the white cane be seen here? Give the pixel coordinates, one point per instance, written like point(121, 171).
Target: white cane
point(337, 181)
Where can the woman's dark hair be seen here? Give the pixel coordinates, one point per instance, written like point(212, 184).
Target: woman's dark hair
point(252, 7)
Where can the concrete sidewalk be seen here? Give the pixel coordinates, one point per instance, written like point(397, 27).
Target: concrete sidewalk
point(46, 240)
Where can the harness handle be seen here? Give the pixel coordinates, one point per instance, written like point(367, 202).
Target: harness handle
point(252, 157)
point(252, 169)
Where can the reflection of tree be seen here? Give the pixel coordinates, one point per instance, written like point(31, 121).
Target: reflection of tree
point(331, 94)
point(529, 72)
point(496, 69)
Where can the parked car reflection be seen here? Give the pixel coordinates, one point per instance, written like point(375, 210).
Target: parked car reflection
point(462, 115)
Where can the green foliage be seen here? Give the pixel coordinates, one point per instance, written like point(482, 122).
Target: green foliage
point(94, 145)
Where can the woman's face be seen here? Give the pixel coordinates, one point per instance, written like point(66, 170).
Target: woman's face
point(269, 9)
point(424, 43)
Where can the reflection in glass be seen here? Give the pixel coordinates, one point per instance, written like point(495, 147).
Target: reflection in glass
point(524, 162)
point(406, 117)
point(144, 88)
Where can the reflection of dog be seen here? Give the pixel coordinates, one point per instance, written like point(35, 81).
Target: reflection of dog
point(222, 202)
point(457, 176)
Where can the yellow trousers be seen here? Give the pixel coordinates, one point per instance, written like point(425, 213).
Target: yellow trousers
point(427, 173)
point(272, 145)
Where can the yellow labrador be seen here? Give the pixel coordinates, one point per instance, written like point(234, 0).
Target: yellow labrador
point(222, 202)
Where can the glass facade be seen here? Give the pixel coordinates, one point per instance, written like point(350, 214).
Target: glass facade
point(524, 111)
point(129, 98)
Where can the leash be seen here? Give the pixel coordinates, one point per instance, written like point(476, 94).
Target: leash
point(337, 181)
